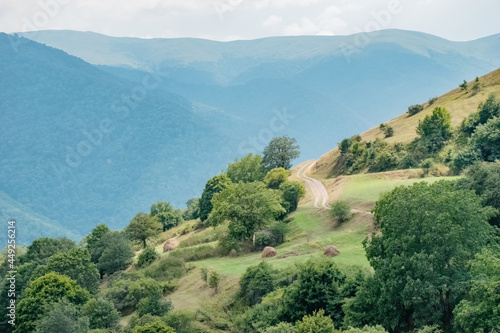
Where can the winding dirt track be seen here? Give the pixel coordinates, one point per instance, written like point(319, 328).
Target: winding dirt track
point(318, 189)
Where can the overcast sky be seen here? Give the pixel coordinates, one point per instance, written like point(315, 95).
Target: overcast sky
point(457, 20)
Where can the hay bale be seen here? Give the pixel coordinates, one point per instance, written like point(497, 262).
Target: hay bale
point(169, 245)
point(331, 251)
point(269, 252)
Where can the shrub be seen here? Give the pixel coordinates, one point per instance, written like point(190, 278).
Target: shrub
point(317, 323)
point(387, 130)
point(280, 328)
point(102, 314)
point(432, 100)
point(180, 321)
point(257, 282)
point(414, 109)
point(292, 193)
point(341, 210)
point(276, 177)
point(366, 329)
point(147, 257)
point(154, 305)
point(214, 281)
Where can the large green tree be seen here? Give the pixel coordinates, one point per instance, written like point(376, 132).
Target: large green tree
point(247, 206)
point(480, 311)
point(427, 235)
point(484, 179)
point(43, 248)
point(75, 264)
point(435, 129)
point(101, 313)
point(116, 252)
point(248, 169)
point(214, 185)
point(280, 152)
point(63, 317)
point(95, 235)
point(485, 141)
point(41, 293)
point(142, 227)
point(164, 213)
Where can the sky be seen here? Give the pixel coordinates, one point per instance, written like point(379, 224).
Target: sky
point(224, 20)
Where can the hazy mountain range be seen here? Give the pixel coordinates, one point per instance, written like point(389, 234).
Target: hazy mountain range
point(102, 130)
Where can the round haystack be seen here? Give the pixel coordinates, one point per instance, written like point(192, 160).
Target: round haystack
point(331, 251)
point(168, 247)
point(269, 252)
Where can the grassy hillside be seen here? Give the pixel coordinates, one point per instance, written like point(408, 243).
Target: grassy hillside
point(459, 103)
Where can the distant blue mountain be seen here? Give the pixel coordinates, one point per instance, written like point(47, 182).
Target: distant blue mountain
point(201, 104)
point(78, 149)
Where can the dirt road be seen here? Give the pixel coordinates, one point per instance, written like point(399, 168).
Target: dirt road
point(318, 189)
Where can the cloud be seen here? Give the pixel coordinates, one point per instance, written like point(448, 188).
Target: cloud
point(272, 21)
point(260, 4)
point(304, 27)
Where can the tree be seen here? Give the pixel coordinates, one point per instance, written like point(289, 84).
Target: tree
point(463, 86)
point(341, 210)
point(247, 206)
point(192, 211)
point(147, 257)
point(483, 178)
point(414, 109)
point(480, 311)
point(486, 140)
point(282, 327)
point(164, 213)
point(435, 129)
point(214, 280)
point(319, 285)
point(63, 317)
point(275, 177)
point(387, 130)
point(41, 293)
point(490, 109)
point(317, 323)
point(154, 305)
point(280, 152)
point(75, 264)
point(249, 169)
point(214, 185)
point(101, 313)
point(116, 253)
point(43, 248)
point(257, 282)
point(292, 192)
point(156, 327)
point(420, 254)
point(143, 227)
point(95, 235)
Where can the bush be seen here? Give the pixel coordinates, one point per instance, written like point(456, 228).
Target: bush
point(214, 281)
point(366, 329)
point(204, 274)
point(341, 210)
point(486, 140)
point(154, 305)
point(180, 321)
point(432, 100)
point(102, 314)
point(147, 257)
point(414, 109)
point(257, 282)
point(292, 193)
point(387, 130)
point(276, 177)
point(317, 323)
point(280, 328)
